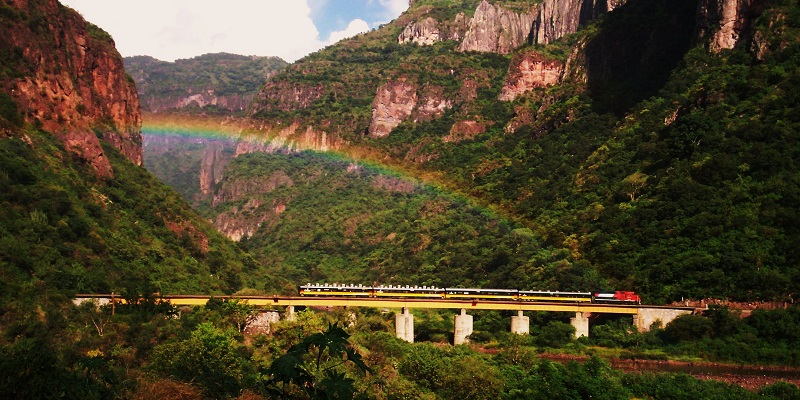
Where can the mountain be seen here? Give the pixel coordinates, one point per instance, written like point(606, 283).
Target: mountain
point(79, 93)
point(215, 81)
point(79, 213)
point(650, 145)
point(219, 84)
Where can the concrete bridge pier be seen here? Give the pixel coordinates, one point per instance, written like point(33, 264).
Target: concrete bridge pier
point(289, 316)
point(647, 316)
point(463, 328)
point(521, 325)
point(404, 325)
point(581, 324)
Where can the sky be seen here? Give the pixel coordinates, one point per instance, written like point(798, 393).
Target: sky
point(290, 29)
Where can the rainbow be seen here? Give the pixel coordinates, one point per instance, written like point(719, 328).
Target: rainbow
point(257, 132)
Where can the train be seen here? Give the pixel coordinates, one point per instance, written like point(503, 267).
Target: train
point(432, 292)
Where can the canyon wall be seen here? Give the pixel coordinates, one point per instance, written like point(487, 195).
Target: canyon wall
point(81, 92)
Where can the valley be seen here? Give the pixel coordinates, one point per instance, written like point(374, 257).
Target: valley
point(554, 146)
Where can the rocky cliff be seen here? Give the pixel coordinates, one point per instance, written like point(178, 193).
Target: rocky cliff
point(393, 103)
point(726, 24)
point(67, 77)
point(529, 70)
point(499, 29)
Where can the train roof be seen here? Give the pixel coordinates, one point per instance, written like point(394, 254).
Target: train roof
point(480, 290)
point(391, 288)
point(551, 293)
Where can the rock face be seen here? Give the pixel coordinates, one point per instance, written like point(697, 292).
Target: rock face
point(557, 18)
point(529, 70)
point(393, 103)
point(212, 166)
point(286, 97)
point(497, 30)
point(432, 104)
point(243, 221)
point(76, 91)
point(464, 130)
point(425, 32)
point(728, 23)
point(429, 31)
point(288, 139)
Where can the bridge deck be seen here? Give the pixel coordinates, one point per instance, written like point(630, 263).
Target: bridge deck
point(276, 301)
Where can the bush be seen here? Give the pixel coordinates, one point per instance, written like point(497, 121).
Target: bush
point(555, 334)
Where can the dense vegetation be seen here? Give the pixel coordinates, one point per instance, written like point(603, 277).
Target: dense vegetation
point(341, 222)
point(683, 187)
point(221, 74)
point(177, 162)
point(65, 231)
point(672, 171)
point(88, 352)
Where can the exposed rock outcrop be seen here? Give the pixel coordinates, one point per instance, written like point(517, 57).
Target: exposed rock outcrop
point(464, 130)
point(428, 31)
point(286, 97)
point(497, 30)
point(288, 139)
point(212, 166)
point(424, 32)
point(243, 221)
point(528, 71)
point(76, 91)
point(393, 104)
point(557, 18)
point(432, 104)
point(728, 23)
point(237, 188)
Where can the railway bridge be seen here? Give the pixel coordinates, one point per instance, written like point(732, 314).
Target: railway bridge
point(643, 315)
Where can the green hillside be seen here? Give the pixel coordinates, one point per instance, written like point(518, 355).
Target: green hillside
point(339, 222)
point(672, 170)
point(161, 83)
point(71, 232)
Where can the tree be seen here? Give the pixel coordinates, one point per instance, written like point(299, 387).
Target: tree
point(633, 184)
point(237, 311)
point(210, 357)
point(312, 368)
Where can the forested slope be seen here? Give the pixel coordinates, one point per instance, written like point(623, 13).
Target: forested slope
point(661, 158)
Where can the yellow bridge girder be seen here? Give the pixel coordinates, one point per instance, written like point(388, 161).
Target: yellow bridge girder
point(512, 305)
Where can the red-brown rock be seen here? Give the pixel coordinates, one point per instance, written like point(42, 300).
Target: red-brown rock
point(71, 80)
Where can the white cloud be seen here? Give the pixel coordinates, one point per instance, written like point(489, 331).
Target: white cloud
point(355, 27)
point(171, 29)
point(392, 9)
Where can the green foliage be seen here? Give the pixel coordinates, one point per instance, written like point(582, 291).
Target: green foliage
point(81, 234)
point(236, 311)
point(688, 327)
point(672, 175)
point(160, 82)
point(781, 391)
point(210, 358)
point(322, 377)
point(555, 334)
point(97, 33)
point(10, 117)
point(372, 226)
